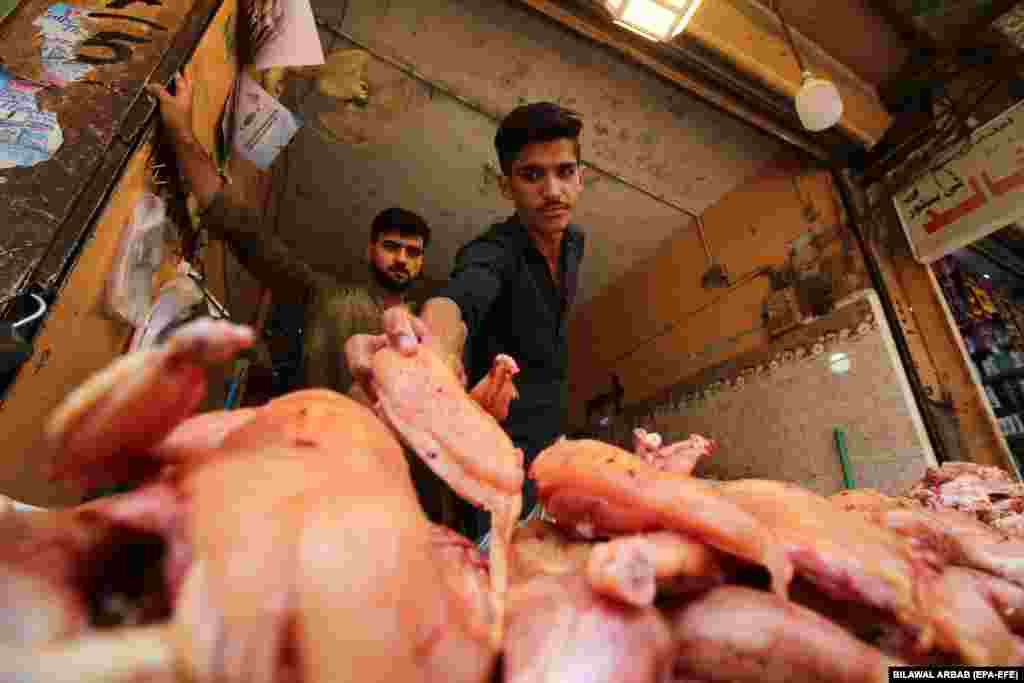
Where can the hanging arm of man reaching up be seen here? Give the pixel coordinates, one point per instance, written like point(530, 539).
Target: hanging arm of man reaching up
point(263, 254)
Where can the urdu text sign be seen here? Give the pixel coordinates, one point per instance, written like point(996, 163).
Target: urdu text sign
point(975, 191)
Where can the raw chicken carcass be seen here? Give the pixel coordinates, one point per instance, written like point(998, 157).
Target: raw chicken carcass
point(496, 391)
point(138, 655)
point(840, 552)
point(988, 493)
point(601, 490)
point(631, 569)
point(466, 572)
point(948, 535)
point(132, 405)
point(540, 548)
point(681, 456)
point(968, 621)
point(734, 634)
point(422, 400)
point(297, 548)
point(561, 631)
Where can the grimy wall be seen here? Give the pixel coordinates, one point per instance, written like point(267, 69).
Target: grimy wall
point(781, 232)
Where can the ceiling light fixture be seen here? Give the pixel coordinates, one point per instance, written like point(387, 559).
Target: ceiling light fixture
point(818, 102)
point(654, 19)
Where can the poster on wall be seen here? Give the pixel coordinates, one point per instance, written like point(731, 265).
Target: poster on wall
point(974, 191)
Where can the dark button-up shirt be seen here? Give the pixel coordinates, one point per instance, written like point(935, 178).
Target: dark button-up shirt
point(511, 304)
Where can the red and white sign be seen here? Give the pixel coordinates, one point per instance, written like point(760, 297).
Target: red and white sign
point(973, 192)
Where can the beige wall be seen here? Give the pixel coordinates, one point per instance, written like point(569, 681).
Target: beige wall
point(657, 325)
point(775, 413)
point(414, 146)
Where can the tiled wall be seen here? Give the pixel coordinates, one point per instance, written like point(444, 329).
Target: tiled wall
point(777, 419)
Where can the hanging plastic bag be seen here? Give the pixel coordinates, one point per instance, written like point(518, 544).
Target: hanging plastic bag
point(129, 290)
point(179, 300)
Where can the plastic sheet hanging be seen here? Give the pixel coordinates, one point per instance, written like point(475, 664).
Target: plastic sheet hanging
point(177, 302)
point(129, 287)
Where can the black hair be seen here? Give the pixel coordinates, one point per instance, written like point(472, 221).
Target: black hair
point(537, 122)
point(405, 223)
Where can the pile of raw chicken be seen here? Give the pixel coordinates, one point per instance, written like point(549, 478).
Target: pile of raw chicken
point(286, 544)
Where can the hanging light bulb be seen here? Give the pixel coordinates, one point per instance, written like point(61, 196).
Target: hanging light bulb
point(818, 103)
point(654, 19)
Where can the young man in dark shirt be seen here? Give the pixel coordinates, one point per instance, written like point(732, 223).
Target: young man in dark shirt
point(512, 288)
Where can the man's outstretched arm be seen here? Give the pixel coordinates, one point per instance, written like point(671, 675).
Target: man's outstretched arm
point(265, 255)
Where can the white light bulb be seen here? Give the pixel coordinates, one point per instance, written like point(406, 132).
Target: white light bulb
point(818, 104)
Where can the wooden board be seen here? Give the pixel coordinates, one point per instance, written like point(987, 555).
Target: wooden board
point(932, 337)
point(752, 38)
point(51, 205)
point(77, 338)
point(787, 217)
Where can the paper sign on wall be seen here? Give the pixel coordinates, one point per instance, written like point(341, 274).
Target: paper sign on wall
point(974, 191)
point(28, 135)
point(262, 125)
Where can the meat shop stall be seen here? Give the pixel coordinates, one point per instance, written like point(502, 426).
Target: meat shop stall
point(87, 243)
point(785, 459)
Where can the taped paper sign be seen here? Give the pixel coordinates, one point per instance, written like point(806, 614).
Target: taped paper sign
point(974, 191)
point(62, 32)
point(262, 125)
point(283, 33)
point(27, 135)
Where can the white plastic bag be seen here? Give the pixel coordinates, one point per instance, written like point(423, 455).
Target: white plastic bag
point(177, 299)
point(129, 291)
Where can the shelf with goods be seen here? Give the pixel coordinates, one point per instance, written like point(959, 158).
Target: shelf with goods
point(1002, 377)
point(992, 326)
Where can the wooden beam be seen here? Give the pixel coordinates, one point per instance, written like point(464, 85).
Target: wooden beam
point(751, 38)
point(933, 339)
point(624, 42)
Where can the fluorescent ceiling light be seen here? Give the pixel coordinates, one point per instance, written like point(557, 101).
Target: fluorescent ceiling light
point(655, 19)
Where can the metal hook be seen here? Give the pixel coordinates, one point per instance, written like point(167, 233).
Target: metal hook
point(35, 316)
